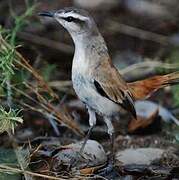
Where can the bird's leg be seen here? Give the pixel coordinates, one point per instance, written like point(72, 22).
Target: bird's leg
point(111, 134)
point(92, 123)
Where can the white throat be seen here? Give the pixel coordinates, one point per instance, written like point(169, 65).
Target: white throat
point(89, 51)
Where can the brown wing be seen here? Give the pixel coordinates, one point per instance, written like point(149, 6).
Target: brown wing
point(109, 83)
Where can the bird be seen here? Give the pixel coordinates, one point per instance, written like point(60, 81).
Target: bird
point(97, 83)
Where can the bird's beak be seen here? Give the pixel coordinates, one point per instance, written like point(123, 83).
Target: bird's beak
point(48, 14)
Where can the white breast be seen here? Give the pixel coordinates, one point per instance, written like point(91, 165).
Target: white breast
point(88, 94)
point(85, 59)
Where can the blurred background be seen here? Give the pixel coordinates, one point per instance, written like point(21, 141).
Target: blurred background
point(35, 62)
point(133, 29)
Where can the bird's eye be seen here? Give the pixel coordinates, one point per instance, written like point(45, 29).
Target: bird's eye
point(70, 19)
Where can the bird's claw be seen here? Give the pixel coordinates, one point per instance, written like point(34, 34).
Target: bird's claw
point(74, 160)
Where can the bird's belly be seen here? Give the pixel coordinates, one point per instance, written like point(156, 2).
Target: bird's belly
point(88, 94)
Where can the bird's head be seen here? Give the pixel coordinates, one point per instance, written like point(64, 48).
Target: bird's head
point(76, 21)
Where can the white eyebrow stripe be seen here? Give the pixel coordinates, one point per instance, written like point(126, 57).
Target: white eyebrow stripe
point(75, 15)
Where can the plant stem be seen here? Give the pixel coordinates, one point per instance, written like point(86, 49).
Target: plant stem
point(9, 92)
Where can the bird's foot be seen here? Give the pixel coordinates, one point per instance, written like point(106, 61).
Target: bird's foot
point(111, 159)
point(107, 170)
point(74, 160)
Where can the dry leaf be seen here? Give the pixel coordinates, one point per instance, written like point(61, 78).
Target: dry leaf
point(142, 122)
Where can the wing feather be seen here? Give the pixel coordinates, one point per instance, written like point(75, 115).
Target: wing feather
point(109, 83)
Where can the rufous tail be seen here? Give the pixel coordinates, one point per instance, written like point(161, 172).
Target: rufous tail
point(144, 88)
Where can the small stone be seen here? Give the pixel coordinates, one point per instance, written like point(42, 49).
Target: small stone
point(93, 154)
point(139, 156)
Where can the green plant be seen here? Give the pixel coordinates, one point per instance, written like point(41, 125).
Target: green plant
point(9, 119)
point(47, 71)
point(175, 89)
point(7, 55)
point(14, 66)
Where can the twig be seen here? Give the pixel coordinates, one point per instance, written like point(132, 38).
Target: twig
point(36, 150)
point(21, 61)
point(61, 117)
point(131, 72)
point(53, 123)
point(136, 32)
point(35, 39)
point(9, 92)
point(16, 170)
point(18, 155)
point(148, 64)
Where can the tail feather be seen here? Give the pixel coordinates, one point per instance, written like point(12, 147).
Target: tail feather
point(144, 88)
point(172, 78)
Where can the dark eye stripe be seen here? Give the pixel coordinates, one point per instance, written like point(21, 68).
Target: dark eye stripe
point(69, 19)
point(72, 19)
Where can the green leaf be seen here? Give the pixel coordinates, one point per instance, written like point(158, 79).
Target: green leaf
point(9, 119)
